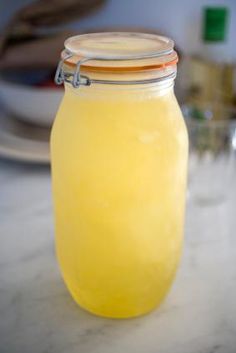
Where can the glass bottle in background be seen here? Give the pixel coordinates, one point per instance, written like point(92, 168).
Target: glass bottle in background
point(211, 73)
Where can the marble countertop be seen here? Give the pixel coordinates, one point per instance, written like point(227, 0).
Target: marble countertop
point(37, 314)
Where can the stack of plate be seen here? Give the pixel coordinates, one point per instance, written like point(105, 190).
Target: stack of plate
point(26, 116)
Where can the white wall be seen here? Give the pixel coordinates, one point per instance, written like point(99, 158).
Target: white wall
point(180, 19)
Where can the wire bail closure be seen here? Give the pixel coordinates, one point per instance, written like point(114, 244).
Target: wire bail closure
point(76, 79)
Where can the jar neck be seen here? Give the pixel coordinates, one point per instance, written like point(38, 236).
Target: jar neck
point(120, 91)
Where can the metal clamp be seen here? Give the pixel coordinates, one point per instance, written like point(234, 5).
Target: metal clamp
point(76, 79)
point(79, 79)
point(59, 75)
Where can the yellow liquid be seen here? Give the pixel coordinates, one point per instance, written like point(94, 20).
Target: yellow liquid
point(119, 171)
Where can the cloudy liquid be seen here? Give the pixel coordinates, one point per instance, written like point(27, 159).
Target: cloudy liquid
point(119, 173)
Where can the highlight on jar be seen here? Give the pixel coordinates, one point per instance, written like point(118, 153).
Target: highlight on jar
point(119, 150)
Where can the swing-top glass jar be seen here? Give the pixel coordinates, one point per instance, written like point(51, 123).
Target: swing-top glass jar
point(119, 158)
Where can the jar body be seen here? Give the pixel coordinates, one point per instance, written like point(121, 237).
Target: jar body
point(119, 160)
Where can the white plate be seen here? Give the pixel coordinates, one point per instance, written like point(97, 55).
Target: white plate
point(22, 141)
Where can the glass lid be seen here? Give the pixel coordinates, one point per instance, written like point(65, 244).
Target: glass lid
point(120, 50)
point(118, 45)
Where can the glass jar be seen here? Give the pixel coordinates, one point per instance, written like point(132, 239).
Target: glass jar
point(119, 159)
point(212, 152)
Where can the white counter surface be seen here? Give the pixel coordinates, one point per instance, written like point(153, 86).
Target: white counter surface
point(37, 314)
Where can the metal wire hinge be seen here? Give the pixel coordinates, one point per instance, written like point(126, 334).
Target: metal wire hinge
point(75, 78)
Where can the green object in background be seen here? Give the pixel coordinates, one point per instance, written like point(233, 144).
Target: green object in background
point(215, 24)
point(197, 114)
